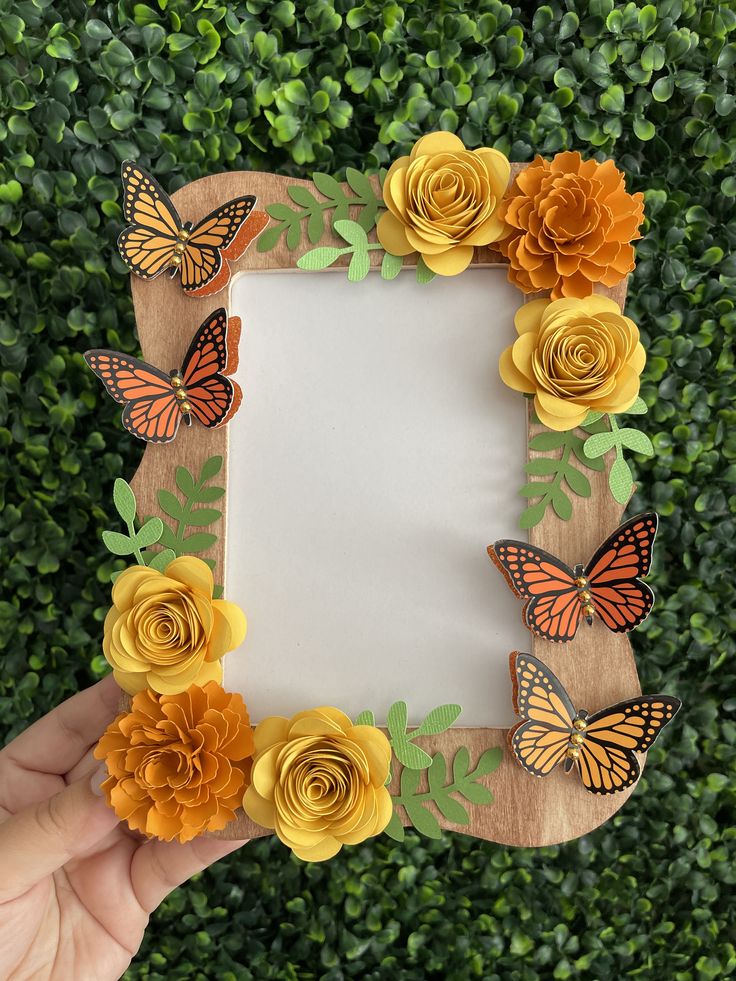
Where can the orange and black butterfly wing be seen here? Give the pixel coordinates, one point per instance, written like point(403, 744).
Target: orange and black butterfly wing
point(540, 741)
point(553, 606)
point(607, 761)
point(147, 245)
point(150, 412)
point(222, 236)
point(212, 356)
point(620, 598)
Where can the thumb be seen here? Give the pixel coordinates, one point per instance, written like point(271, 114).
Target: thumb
point(40, 839)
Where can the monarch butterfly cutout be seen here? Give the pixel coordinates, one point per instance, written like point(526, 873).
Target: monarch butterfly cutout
point(155, 403)
point(603, 745)
point(157, 240)
point(608, 586)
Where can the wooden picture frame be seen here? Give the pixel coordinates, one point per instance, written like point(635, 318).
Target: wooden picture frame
point(597, 667)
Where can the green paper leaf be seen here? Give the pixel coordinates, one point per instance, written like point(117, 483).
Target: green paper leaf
point(562, 505)
point(489, 761)
point(352, 233)
point(366, 718)
point(391, 266)
point(632, 439)
point(159, 560)
point(301, 196)
point(620, 480)
point(268, 239)
point(409, 755)
point(210, 468)
point(476, 793)
point(438, 720)
point(360, 183)
point(118, 544)
point(359, 267)
point(124, 500)
point(209, 494)
point(541, 467)
point(599, 444)
point(422, 820)
point(638, 408)
point(199, 542)
point(577, 482)
point(424, 273)
point(315, 226)
point(328, 186)
point(394, 829)
point(184, 481)
point(396, 720)
point(460, 764)
point(409, 782)
point(319, 258)
point(169, 504)
point(533, 514)
point(149, 533)
point(547, 441)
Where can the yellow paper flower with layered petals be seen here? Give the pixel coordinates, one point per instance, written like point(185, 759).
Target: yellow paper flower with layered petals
point(442, 201)
point(165, 631)
point(319, 781)
point(575, 356)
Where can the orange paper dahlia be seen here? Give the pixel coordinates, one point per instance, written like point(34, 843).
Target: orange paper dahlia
point(571, 223)
point(178, 764)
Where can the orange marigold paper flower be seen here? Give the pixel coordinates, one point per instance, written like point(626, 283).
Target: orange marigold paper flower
point(165, 631)
point(442, 201)
point(318, 781)
point(574, 356)
point(571, 223)
point(178, 764)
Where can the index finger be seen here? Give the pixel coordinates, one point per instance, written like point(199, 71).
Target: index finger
point(57, 741)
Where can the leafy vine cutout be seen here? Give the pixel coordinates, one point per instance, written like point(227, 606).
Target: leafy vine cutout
point(311, 212)
point(415, 761)
point(138, 539)
point(465, 782)
point(186, 516)
point(620, 478)
point(603, 434)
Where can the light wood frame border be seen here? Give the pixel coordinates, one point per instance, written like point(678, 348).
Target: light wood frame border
point(597, 668)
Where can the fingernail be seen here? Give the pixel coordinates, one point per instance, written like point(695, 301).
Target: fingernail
point(97, 779)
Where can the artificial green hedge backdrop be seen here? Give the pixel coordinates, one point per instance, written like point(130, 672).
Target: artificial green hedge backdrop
point(190, 88)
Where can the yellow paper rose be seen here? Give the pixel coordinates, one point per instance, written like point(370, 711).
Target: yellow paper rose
point(319, 781)
point(574, 356)
point(165, 631)
point(442, 201)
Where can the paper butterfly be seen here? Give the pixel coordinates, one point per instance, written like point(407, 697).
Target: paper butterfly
point(155, 403)
point(609, 585)
point(603, 745)
point(156, 240)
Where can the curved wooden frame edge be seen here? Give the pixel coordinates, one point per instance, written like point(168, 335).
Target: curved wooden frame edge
point(597, 668)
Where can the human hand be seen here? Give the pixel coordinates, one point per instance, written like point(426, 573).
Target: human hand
point(76, 886)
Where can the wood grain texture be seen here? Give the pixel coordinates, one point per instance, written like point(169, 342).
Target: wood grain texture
point(597, 668)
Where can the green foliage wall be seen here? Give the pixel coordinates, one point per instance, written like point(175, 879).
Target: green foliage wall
point(190, 88)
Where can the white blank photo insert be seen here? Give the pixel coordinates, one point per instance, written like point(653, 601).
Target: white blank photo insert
point(375, 456)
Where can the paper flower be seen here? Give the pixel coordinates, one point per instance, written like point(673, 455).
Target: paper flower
point(318, 781)
point(571, 223)
point(178, 764)
point(442, 201)
point(165, 631)
point(574, 356)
